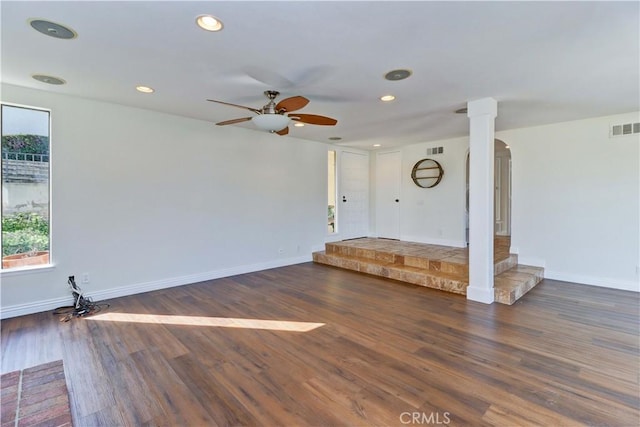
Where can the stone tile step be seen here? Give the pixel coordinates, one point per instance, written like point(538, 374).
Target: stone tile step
point(368, 246)
point(428, 257)
point(442, 280)
point(512, 284)
point(505, 264)
point(509, 285)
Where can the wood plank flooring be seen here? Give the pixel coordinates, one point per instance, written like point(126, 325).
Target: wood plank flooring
point(385, 354)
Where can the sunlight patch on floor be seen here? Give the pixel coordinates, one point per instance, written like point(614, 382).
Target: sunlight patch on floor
point(220, 322)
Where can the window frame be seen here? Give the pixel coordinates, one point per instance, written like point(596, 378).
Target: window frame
point(16, 271)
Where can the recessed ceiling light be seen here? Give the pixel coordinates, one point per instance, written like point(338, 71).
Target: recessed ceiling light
point(387, 98)
point(145, 89)
point(461, 110)
point(52, 29)
point(395, 75)
point(377, 145)
point(209, 23)
point(335, 138)
point(48, 79)
point(298, 125)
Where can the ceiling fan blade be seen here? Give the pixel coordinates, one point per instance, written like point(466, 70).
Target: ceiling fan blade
point(235, 105)
point(313, 119)
point(233, 121)
point(292, 104)
point(283, 131)
point(268, 77)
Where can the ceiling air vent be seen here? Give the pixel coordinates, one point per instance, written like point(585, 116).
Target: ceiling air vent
point(624, 129)
point(435, 150)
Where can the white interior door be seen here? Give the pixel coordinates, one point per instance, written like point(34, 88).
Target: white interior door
point(353, 200)
point(388, 182)
point(502, 194)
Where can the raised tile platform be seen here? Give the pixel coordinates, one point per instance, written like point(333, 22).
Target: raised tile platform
point(432, 266)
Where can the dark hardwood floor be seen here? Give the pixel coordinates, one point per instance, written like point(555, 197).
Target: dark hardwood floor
point(248, 350)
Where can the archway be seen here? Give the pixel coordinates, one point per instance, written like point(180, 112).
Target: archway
point(502, 194)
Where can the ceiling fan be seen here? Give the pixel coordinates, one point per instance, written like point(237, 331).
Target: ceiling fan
point(275, 118)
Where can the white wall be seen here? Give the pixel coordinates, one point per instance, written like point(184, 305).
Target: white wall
point(435, 215)
point(432, 215)
point(143, 200)
point(575, 201)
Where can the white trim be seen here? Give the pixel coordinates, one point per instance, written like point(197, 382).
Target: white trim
point(486, 296)
point(34, 307)
point(42, 268)
point(623, 285)
point(532, 261)
point(137, 288)
point(336, 237)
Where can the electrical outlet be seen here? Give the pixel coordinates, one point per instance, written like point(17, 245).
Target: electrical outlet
point(85, 277)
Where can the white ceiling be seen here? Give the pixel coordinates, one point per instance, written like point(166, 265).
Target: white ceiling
point(544, 62)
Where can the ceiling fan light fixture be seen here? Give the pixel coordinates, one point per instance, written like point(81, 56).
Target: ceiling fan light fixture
point(299, 125)
point(271, 122)
point(209, 23)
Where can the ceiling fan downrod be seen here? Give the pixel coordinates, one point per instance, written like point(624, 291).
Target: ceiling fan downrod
point(270, 108)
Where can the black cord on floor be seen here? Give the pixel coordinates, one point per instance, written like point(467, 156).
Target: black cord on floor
point(83, 306)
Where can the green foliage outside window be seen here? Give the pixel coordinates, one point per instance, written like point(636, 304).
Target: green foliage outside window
point(30, 144)
point(24, 232)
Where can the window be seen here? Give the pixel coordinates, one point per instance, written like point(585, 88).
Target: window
point(25, 187)
point(331, 219)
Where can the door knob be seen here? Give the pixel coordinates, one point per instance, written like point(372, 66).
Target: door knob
point(344, 199)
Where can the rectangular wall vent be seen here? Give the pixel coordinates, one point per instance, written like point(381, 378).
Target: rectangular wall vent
point(624, 129)
point(435, 150)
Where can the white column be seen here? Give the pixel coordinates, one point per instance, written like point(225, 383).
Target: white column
point(482, 114)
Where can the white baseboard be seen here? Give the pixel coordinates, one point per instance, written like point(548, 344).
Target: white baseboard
point(605, 282)
point(534, 262)
point(623, 285)
point(35, 307)
point(138, 288)
point(50, 304)
point(486, 296)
